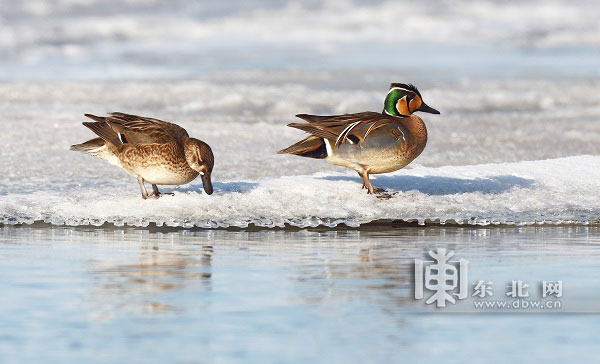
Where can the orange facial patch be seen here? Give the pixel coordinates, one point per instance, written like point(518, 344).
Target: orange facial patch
point(415, 104)
point(402, 107)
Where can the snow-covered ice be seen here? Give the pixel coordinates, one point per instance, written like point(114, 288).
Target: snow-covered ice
point(472, 170)
point(551, 191)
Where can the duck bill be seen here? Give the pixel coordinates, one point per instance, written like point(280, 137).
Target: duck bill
point(426, 108)
point(207, 184)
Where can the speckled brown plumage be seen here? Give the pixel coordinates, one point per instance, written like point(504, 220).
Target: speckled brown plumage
point(153, 150)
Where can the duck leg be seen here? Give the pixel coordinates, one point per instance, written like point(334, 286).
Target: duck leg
point(380, 192)
point(157, 193)
point(142, 187)
point(363, 181)
point(145, 194)
point(366, 183)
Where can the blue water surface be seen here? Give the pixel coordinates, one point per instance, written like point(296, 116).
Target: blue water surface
point(135, 295)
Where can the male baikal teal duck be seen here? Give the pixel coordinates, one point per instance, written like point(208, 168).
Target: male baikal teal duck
point(368, 142)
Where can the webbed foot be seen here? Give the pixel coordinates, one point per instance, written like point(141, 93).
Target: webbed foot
point(382, 194)
point(156, 193)
point(162, 194)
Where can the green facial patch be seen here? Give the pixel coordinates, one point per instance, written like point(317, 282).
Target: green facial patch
point(389, 105)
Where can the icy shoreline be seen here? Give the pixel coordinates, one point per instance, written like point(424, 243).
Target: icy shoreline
point(553, 191)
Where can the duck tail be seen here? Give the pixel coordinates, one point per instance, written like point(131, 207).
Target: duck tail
point(311, 147)
point(89, 147)
point(97, 147)
point(103, 130)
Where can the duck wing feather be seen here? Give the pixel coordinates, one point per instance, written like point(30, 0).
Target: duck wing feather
point(134, 129)
point(341, 128)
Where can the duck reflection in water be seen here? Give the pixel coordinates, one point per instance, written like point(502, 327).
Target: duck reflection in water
point(144, 286)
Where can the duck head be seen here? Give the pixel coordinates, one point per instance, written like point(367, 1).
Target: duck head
point(403, 100)
point(200, 158)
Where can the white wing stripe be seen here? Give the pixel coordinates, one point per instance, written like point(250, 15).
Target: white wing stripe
point(343, 134)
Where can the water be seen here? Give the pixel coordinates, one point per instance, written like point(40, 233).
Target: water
point(511, 87)
point(103, 295)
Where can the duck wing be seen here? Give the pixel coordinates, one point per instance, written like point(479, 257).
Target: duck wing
point(134, 129)
point(351, 128)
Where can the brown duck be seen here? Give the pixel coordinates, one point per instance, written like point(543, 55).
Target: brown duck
point(154, 151)
point(368, 142)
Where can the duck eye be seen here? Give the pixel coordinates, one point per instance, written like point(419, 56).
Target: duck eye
point(414, 104)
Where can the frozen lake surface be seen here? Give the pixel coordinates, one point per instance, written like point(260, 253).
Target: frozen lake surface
point(103, 295)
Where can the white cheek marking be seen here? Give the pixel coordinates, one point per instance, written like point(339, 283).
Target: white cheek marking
point(202, 173)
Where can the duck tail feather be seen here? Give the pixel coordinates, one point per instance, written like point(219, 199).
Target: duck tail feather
point(311, 147)
point(88, 147)
point(94, 117)
point(104, 131)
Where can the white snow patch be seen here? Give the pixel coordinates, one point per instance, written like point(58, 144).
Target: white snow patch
point(561, 190)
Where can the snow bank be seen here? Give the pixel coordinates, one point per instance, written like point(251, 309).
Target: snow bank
point(561, 190)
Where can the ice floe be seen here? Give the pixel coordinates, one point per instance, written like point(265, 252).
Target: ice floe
point(552, 191)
